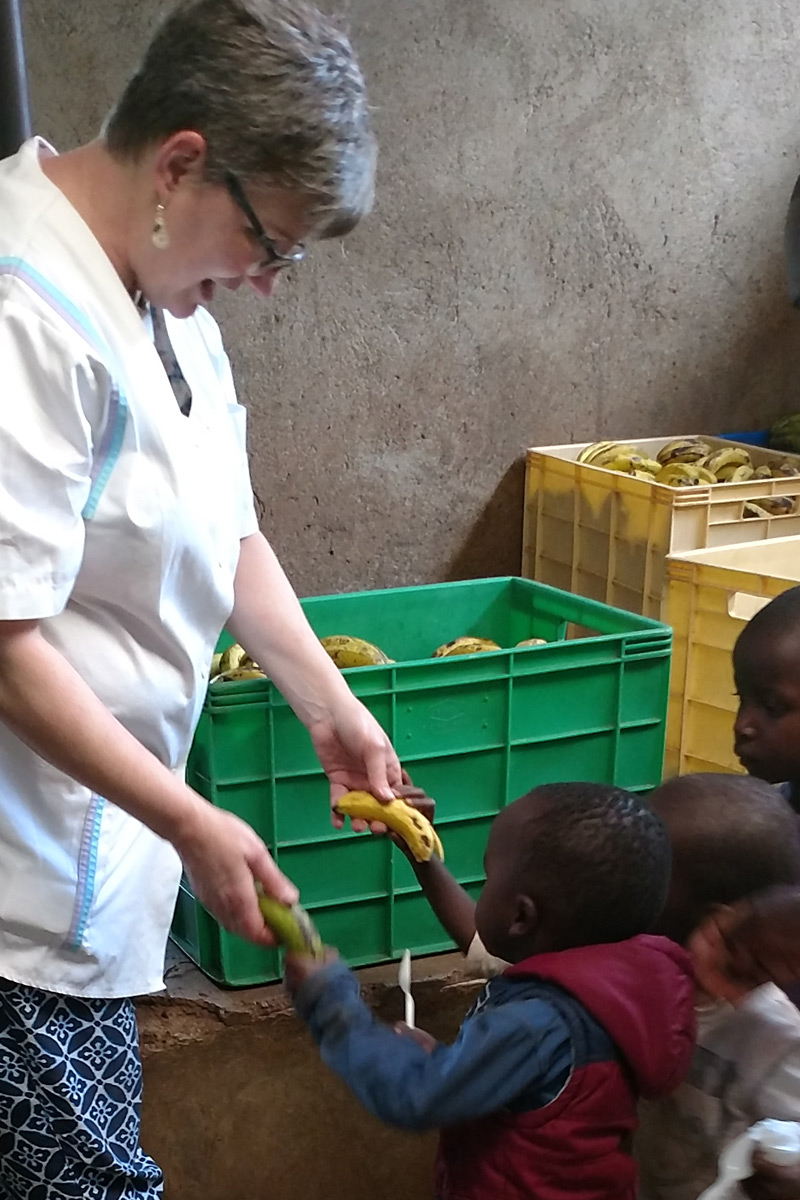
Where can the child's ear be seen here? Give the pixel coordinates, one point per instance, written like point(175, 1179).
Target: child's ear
point(526, 917)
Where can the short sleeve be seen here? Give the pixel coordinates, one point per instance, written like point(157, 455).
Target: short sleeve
point(49, 388)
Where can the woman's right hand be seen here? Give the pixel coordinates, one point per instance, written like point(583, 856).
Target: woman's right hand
point(224, 859)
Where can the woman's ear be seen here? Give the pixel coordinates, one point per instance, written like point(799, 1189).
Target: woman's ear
point(179, 158)
point(526, 917)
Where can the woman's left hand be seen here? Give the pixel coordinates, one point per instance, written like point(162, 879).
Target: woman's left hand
point(356, 755)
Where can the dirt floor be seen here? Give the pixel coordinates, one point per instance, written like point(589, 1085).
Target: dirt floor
point(238, 1106)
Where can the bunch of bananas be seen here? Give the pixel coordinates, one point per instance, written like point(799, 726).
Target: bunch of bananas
point(619, 456)
point(403, 819)
point(234, 663)
point(688, 462)
point(347, 651)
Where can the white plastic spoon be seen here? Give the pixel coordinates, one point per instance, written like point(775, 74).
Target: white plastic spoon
point(404, 980)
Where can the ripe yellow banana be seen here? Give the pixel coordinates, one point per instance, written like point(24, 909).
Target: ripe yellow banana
point(404, 820)
point(683, 450)
point(531, 642)
point(353, 652)
point(726, 458)
point(292, 926)
point(215, 661)
point(239, 673)
point(465, 645)
point(232, 658)
point(651, 465)
point(588, 453)
point(679, 474)
point(618, 451)
point(735, 474)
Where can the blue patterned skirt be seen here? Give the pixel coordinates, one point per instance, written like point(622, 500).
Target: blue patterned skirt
point(70, 1099)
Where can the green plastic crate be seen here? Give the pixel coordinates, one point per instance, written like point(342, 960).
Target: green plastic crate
point(474, 731)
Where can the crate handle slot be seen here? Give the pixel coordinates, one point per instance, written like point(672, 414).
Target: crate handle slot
point(743, 605)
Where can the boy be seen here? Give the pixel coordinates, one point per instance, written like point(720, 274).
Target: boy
point(760, 939)
point(537, 1096)
point(731, 836)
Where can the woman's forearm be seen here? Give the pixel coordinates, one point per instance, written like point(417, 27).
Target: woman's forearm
point(268, 621)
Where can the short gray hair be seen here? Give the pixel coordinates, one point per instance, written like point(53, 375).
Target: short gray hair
point(274, 88)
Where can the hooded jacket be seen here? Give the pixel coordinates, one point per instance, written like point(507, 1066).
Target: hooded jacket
point(536, 1098)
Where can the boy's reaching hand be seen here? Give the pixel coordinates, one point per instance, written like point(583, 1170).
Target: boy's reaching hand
point(770, 1182)
point(298, 968)
point(426, 1040)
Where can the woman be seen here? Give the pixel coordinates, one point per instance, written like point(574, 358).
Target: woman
point(128, 539)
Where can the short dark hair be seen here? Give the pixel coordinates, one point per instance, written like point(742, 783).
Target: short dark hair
point(732, 835)
point(778, 618)
point(276, 91)
point(599, 863)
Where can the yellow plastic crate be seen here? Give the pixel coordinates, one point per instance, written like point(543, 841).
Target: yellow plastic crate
point(606, 536)
point(711, 595)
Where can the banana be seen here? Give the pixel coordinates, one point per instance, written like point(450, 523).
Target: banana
point(621, 450)
point(588, 452)
point(679, 474)
point(232, 658)
point(785, 469)
point(776, 506)
point(765, 471)
point(404, 820)
point(353, 652)
point(651, 465)
point(751, 509)
point(531, 642)
point(622, 462)
point(215, 661)
point(734, 474)
point(292, 926)
point(239, 673)
point(683, 450)
point(726, 457)
point(465, 645)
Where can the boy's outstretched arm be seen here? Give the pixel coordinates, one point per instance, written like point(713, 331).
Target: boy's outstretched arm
point(454, 908)
point(499, 1053)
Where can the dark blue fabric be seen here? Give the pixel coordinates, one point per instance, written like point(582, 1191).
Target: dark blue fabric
point(516, 1050)
point(70, 1095)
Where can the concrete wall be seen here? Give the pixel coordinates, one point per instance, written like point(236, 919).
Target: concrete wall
point(578, 233)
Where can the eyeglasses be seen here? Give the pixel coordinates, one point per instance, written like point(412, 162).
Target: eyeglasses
point(272, 256)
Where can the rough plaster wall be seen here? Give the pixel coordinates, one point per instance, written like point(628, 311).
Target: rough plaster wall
point(577, 234)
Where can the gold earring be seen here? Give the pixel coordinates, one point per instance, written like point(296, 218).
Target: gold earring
point(160, 235)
